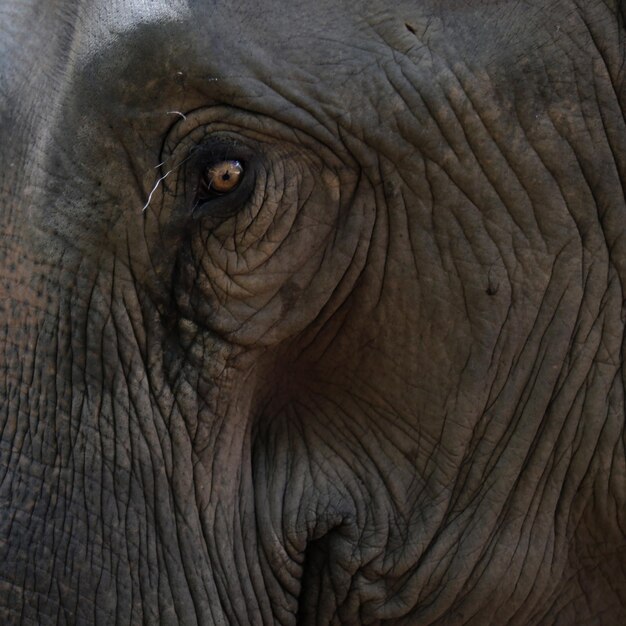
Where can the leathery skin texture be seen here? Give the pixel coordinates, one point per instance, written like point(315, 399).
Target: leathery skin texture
point(312, 313)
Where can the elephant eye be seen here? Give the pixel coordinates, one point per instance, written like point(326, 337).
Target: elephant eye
point(220, 178)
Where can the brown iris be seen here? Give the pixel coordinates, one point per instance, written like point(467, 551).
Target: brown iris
point(222, 177)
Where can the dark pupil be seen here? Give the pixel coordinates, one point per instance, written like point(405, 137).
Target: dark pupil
point(226, 176)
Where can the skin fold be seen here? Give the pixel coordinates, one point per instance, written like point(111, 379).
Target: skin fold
point(381, 380)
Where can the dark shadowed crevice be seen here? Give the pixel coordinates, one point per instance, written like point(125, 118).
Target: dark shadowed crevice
point(330, 564)
point(316, 562)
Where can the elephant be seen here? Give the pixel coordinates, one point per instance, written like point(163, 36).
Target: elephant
point(312, 313)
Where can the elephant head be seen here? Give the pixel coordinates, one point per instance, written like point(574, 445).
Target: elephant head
point(312, 313)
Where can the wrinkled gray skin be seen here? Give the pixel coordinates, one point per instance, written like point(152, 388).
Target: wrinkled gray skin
point(381, 381)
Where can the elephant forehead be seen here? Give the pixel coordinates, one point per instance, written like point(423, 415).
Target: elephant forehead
point(105, 21)
point(330, 59)
point(218, 45)
point(139, 59)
